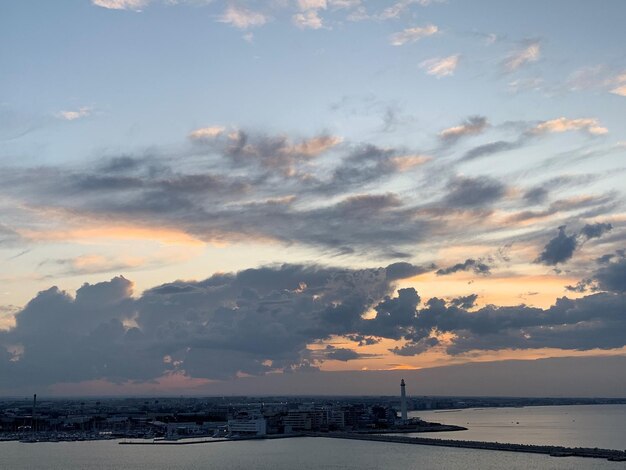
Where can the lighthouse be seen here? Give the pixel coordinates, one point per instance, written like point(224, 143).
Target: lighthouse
point(403, 401)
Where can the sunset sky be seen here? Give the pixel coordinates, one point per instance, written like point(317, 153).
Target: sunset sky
point(198, 193)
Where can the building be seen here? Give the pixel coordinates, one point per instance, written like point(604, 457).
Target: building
point(403, 401)
point(247, 426)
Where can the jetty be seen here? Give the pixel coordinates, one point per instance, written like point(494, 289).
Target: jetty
point(554, 451)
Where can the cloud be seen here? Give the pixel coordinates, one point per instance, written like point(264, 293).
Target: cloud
point(465, 192)
point(398, 8)
point(406, 162)
point(467, 301)
point(473, 125)
point(594, 321)
point(559, 249)
point(530, 53)
point(536, 195)
point(410, 35)
point(312, 4)
point(595, 230)
point(403, 270)
point(341, 4)
point(91, 264)
point(315, 146)
point(343, 354)
point(252, 322)
point(263, 320)
point(243, 18)
point(266, 188)
point(206, 133)
point(533, 131)
point(583, 286)
point(563, 124)
point(74, 115)
point(441, 66)
point(526, 84)
point(136, 5)
point(598, 77)
point(490, 149)
point(469, 264)
point(9, 237)
point(612, 277)
point(308, 20)
point(620, 90)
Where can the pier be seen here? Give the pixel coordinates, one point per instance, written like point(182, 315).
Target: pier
point(555, 451)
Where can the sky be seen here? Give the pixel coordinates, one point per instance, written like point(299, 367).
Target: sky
point(218, 196)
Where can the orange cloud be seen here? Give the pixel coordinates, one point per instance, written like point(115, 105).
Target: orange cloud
point(115, 232)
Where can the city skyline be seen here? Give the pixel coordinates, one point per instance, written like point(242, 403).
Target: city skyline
point(199, 196)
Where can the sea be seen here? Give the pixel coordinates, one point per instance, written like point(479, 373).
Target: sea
point(590, 426)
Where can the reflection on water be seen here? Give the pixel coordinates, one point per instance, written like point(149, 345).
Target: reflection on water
point(572, 426)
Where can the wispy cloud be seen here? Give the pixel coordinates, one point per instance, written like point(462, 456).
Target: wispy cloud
point(136, 5)
point(441, 66)
point(620, 90)
point(312, 4)
point(314, 146)
point(206, 133)
point(563, 124)
point(473, 125)
point(243, 18)
point(308, 20)
point(530, 53)
point(410, 35)
point(74, 114)
point(398, 8)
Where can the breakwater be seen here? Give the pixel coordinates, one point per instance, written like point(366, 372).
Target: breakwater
point(555, 451)
point(183, 442)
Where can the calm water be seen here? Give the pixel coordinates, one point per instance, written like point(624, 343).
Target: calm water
point(590, 426)
point(571, 426)
point(283, 454)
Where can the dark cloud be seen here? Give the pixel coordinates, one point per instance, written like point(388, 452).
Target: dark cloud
point(584, 285)
point(536, 195)
point(249, 322)
point(597, 205)
point(466, 302)
point(491, 148)
point(559, 249)
point(595, 321)
point(363, 340)
point(261, 320)
point(416, 348)
point(403, 270)
point(605, 259)
point(595, 230)
point(466, 192)
point(343, 354)
point(120, 164)
point(394, 315)
point(612, 277)
point(468, 265)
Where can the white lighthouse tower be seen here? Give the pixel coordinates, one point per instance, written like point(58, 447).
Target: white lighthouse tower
point(403, 401)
